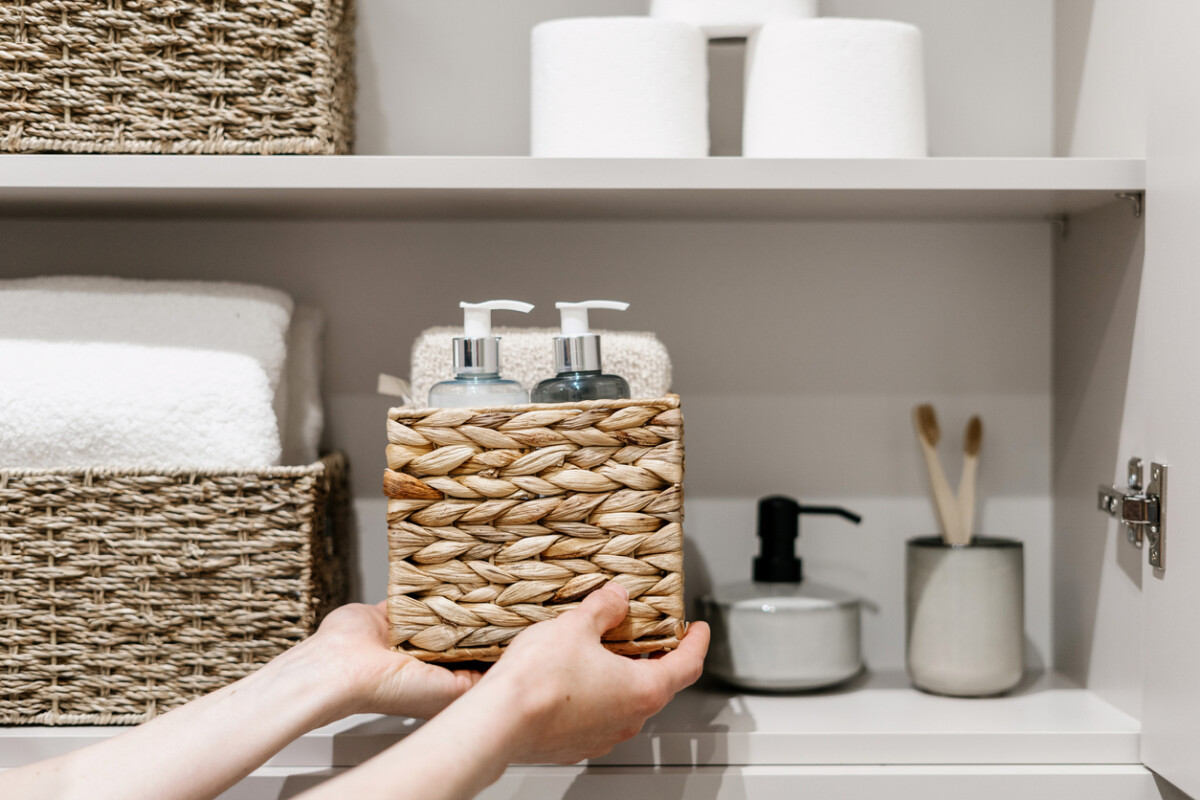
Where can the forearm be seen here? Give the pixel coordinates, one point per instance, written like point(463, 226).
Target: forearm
point(194, 752)
point(452, 757)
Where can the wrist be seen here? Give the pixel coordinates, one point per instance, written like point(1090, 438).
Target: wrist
point(507, 723)
point(307, 672)
point(517, 705)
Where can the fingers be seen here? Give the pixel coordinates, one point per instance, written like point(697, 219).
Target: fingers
point(603, 609)
point(427, 689)
point(682, 666)
point(465, 680)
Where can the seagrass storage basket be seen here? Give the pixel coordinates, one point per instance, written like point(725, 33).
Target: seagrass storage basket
point(124, 594)
point(176, 76)
point(502, 517)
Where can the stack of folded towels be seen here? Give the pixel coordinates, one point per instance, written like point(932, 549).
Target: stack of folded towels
point(105, 372)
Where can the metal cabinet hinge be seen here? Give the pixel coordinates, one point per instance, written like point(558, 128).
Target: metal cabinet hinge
point(1141, 508)
point(1137, 200)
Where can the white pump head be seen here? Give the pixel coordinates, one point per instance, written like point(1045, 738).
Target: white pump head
point(477, 317)
point(578, 349)
point(477, 352)
point(575, 315)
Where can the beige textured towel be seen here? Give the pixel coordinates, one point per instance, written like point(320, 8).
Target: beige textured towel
point(526, 356)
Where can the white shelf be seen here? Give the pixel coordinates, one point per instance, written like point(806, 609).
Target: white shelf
point(510, 187)
point(876, 720)
point(1028, 782)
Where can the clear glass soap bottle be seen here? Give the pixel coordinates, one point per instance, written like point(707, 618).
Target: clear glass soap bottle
point(477, 382)
point(577, 360)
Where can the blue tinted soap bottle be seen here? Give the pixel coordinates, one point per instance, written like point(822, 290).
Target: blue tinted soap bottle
point(477, 382)
point(577, 360)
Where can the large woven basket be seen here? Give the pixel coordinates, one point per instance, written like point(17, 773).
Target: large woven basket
point(124, 594)
point(502, 517)
point(176, 76)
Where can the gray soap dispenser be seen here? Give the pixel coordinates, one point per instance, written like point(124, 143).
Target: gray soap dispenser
point(780, 632)
point(577, 360)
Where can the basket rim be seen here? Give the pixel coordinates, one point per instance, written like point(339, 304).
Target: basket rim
point(667, 401)
point(318, 467)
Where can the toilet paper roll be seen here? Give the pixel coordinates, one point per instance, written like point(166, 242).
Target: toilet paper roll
point(725, 19)
point(835, 88)
point(619, 87)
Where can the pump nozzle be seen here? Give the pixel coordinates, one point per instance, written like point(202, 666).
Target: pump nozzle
point(778, 527)
point(477, 317)
point(577, 349)
point(477, 352)
point(575, 315)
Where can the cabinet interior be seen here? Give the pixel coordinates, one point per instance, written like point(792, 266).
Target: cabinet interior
point(799, 345)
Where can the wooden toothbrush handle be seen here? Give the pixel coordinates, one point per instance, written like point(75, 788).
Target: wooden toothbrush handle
point(966, 497)
point(943, 497)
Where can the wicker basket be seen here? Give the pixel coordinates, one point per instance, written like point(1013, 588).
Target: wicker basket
point(176, 76)
point(502, 517)
point(124, 594)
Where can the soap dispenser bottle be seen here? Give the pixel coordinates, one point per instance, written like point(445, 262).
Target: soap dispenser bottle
point(577, 360)
point(780, 632)
point(477, 381)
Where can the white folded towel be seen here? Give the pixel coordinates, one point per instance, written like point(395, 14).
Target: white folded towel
point(71, 404)
point(228, 317)
point(526, 356)
point(184, 318)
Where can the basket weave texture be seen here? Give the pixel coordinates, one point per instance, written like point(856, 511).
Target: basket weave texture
point(499, 518)
point(124, 594)
point(176, 76)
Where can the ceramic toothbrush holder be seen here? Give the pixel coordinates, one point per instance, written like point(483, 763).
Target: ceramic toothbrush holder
point(966, 615)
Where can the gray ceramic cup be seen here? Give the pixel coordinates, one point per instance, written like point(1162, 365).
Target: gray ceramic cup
point(966, 615)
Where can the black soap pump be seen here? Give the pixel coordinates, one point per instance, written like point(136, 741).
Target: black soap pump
point(780, 632)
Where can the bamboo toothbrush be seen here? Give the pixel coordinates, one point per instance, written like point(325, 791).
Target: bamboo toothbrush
point(947, 507)
point(972, 441)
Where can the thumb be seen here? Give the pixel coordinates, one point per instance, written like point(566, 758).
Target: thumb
point(603, 609)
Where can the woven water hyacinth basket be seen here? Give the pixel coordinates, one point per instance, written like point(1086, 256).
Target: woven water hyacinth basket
point(124, 594)
point(499, 518)
point(176, 76)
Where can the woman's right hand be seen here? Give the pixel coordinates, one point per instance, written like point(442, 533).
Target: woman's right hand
point(572, 698)
point(555, 696)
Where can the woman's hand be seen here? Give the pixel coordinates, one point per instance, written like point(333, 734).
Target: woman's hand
point(352, 649)
point(556, 695)
point(572, 698)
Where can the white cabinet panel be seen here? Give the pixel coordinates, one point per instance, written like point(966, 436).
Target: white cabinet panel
point(1168, 337)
